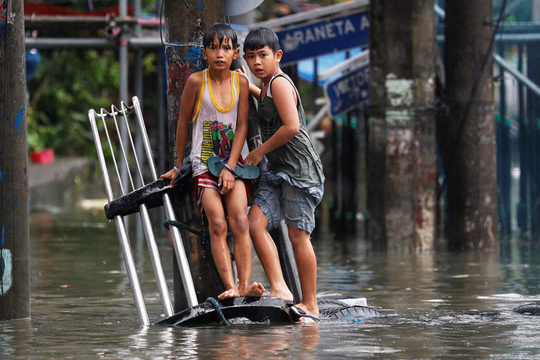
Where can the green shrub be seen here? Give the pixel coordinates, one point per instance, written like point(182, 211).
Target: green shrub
point(67, 85)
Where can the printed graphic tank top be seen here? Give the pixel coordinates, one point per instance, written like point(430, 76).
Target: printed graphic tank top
point(213, 127)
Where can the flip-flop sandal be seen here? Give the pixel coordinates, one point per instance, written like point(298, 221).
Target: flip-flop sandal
point(246, 172)
point(301, 316)
point(185, 171)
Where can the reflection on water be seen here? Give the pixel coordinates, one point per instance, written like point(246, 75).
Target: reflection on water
point(82, 306)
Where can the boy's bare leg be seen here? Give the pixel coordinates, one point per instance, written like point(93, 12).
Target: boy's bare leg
point(217, 226)
point(268, 254)
point(307, 269)
point(236, 202)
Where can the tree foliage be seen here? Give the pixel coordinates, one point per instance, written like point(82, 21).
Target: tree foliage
point(67, 85)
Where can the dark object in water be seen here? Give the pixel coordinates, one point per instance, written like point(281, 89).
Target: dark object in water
point(336, 310)
point(528, 309)
point(263, 309)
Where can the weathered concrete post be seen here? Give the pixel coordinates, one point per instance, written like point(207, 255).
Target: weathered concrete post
point(504, 157)
point(186, 20)
point(401, 149)
point(530, 172)
point(469, 152)
point(14, 268)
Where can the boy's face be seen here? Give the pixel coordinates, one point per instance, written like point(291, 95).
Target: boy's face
point(263, 62)
point(220, 56)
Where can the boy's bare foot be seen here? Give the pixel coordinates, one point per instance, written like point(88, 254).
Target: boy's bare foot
point(229, 294)
point(255, 289)
point(285, 295)
point(308, 311)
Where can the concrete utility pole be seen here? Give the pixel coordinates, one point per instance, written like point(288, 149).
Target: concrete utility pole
point(401, 139)
point(186, 21)
point(530, 171)
point(14, 268)
point(469, 150)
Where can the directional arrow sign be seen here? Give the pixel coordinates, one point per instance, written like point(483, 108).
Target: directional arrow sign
point(324, 37)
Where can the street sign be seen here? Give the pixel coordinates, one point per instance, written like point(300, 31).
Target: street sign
point(324, 37)
point(348, 90)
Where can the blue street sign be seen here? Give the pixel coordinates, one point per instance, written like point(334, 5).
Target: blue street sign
point(324, 37)
point(348, 90)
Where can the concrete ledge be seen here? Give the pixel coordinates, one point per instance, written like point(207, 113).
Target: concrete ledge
point(60, 169)
point(60, 185)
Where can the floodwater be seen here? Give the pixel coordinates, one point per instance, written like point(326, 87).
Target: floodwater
point(82, 305)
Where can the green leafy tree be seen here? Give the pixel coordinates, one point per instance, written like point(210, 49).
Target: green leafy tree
point(67, 84)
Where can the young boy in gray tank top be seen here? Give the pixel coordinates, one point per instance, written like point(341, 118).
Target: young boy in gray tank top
point(293, 187)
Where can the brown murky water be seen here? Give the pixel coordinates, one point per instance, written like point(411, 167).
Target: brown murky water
point(82, 306)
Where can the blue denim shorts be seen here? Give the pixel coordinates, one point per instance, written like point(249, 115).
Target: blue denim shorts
point(279, 199)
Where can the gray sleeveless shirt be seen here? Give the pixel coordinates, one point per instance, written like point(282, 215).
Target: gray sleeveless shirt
point(297, 158)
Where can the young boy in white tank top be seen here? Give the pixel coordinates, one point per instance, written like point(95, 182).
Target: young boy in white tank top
point(216, 101)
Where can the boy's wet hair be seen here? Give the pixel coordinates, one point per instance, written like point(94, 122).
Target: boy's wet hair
point(259, 38)
point(222, 31)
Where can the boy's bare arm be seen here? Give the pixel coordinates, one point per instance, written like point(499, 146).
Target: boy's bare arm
point(241, 122)
point(285, 100)
point(253, 89)
point(187, 104)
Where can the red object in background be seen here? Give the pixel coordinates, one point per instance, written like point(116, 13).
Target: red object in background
point(35, 8)
point(46, 156)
